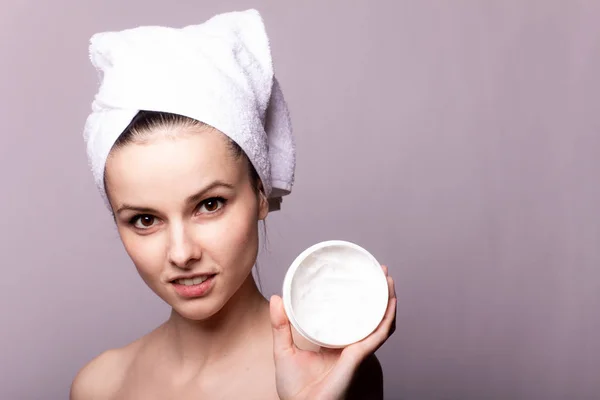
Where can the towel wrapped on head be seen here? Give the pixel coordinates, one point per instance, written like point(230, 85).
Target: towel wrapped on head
point(219, 72)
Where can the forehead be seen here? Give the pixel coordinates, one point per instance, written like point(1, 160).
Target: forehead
point(168, 168)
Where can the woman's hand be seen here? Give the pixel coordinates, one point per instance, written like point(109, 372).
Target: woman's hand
point(326, 375)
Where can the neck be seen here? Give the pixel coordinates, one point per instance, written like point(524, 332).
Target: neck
point(199, 342)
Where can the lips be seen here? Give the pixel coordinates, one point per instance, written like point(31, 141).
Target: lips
point(191, 281)
point(193, 286)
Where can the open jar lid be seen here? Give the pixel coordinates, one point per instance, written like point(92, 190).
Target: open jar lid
point(335, 293)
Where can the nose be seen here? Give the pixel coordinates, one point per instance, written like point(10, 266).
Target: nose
point(183, 249)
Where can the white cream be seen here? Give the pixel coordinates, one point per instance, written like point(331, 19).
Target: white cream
point(337, 294)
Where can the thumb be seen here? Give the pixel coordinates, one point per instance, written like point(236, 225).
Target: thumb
point(283, 341)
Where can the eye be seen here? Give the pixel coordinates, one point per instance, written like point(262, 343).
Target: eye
point(211, 205)
point(143, 221)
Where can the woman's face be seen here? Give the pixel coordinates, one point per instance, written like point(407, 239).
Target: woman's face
point(187, 214)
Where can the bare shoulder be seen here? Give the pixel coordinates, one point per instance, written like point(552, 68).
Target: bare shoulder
point(367, 383)
point(102, 377)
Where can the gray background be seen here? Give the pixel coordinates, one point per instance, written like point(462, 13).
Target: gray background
point(456, 140)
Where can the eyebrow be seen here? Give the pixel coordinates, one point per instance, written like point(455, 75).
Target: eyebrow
point(194, 198)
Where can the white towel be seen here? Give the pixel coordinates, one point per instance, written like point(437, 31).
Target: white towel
point(219, 72)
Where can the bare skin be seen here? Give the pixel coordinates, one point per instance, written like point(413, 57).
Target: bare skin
point(155, 367)
point(229, 343)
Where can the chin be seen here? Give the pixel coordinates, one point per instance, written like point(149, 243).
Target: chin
point(199, 309)
point(197, 312)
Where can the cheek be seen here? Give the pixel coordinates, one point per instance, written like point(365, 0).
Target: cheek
point(145, 252)
point(233, 242)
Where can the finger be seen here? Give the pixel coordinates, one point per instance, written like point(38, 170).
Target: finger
point(392, 292)
point(372, 342)
point(391, 287)
point(393, 325)
point(352, 356)
point(283, 341)
point(385, 269)
point(384, 330)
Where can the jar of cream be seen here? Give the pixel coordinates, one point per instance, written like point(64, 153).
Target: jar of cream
point(335, 293)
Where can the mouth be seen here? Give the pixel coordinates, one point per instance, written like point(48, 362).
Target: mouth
point(191, 281)
point(194, 286)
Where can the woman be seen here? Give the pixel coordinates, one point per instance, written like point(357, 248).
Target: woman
point(187, 184)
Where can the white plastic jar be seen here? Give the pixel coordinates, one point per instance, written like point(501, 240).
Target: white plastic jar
point(335, 293)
